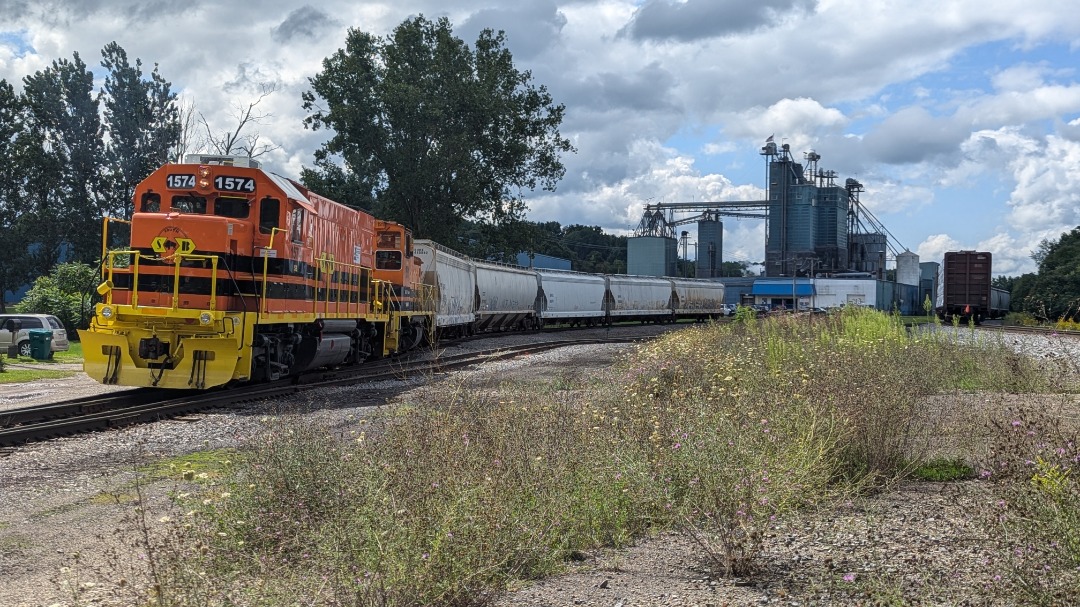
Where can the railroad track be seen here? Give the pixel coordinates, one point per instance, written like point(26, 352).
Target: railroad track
point(1031, 330)
point(96, 413)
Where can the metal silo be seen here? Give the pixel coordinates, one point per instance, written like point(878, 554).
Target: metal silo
point(907, 268)
point(651, 256)
point(710, 248)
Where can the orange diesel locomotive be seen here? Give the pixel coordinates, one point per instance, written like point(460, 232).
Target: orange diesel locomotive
point(237, 274)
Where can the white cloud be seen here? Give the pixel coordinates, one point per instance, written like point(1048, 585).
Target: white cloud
point(914, 108)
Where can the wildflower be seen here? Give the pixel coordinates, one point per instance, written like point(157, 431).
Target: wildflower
point(850, 577)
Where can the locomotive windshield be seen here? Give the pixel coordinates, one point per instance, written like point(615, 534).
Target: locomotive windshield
point(387, 260)
point(228, 206)
point(189, 204)
point(389, 240)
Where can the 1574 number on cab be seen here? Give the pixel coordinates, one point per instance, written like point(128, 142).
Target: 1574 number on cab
point(234, 184)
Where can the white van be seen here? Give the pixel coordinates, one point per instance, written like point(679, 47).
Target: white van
point(30, 322)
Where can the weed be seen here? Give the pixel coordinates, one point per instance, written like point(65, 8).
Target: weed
point(716, 430)
point(943, 470)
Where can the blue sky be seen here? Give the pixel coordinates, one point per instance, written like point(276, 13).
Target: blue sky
point(961, 119)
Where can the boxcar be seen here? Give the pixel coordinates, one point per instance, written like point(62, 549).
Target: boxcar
point(966, 289)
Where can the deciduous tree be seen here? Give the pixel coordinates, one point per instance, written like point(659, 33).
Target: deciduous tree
point(143, 125)
point(429, 131)
point(1054, 292)
point(60, 153)
point(14, 271)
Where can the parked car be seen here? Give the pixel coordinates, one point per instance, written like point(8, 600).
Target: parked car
point(30, 322)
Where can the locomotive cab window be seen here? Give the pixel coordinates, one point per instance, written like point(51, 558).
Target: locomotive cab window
point(387, 260)
point(151, 203)
point(230, 206)
point(269, 209)
point(296, 230)
point(189, 204)
point(389, 240)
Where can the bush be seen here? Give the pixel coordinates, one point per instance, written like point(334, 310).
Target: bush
point(67, 293)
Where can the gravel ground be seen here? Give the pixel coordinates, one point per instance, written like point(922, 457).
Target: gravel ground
point(54, 503)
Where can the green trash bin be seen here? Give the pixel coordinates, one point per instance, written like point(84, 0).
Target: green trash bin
point(40, 343)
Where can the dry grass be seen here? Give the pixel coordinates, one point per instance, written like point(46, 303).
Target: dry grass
point(714, 429)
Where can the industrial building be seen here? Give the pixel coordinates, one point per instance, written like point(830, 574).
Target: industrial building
point(820, 241)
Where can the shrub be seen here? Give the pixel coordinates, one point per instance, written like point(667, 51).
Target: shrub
point(67, 293)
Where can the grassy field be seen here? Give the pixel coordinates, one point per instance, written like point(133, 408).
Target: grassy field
point(28, 369)
point(720, 429)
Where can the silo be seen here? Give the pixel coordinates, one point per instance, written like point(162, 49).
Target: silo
point(907, 268)
point(867, 253)
point(651, 256)
point(710, 248)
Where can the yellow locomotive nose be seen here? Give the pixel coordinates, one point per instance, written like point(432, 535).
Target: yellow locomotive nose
point(133, 357)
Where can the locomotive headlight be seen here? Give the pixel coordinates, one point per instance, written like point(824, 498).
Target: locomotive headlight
point(106, 312)
point(205, 318)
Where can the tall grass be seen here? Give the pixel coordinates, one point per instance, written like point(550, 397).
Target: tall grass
point(716, 430)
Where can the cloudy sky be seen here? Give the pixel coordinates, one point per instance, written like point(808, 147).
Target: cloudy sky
point(960, 118)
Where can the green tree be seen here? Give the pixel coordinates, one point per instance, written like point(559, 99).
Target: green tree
point(1004, 282)
point(734, 268)
point(1054, 292)
point(60, 150)
point(430, 132)
point(143, 124)
point(14, 241)
point(67, 292)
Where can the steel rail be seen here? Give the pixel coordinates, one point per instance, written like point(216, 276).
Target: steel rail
point(41, 422)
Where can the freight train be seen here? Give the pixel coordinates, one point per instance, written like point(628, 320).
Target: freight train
point(967, 293)
point(235, 274)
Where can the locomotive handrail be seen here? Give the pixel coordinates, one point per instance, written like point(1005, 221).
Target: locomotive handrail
point(132, 269)
point(105, 233)
point(178, 259)
point(266, 268)
point(332, 267)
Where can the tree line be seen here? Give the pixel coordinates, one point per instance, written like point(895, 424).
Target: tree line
point(1053, 292)
point(425, 130)
point(70, 155)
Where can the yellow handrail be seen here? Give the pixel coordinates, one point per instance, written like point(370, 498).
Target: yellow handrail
point(178, 259)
